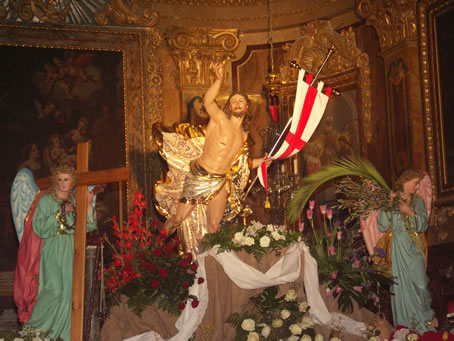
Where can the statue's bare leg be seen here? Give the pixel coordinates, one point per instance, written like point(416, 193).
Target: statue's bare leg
point(215, 210)
point(182, 212)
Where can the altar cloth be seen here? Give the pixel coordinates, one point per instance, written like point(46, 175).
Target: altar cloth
point(295, 268)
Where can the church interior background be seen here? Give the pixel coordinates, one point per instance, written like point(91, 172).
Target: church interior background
point(105, 71)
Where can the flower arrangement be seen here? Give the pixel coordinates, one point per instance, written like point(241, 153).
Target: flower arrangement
point(343, 262)
point(25, 334)
point(256, 239)
point(146, 267)
point(274, 318)
point(406, 334)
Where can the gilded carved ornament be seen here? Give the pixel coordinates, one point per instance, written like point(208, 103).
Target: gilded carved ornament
point(310, 50)
point(127, 12)
point(153, 74)
point(194, 49)
point(394, 20)
point(44, 11)
point(227, 3)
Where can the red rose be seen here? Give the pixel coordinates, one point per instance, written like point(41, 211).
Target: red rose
point(152, 267)
point(194, 267)
point(185, 285)
point(163, 272)
point(154, 283)
point(189, 256)
point(144, 264)
point(176, 241)
point(201, 280)
point(157, 252)
point(195, 304)
point(169, 247)
point(163, 232)
point(142, 255)
point(181, 306)
point(184, 263)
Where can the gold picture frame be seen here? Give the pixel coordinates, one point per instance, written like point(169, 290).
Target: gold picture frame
point(140, 72)
point(438, 103)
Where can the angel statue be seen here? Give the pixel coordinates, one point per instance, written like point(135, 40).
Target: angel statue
point(45, 222)
point(393, 222)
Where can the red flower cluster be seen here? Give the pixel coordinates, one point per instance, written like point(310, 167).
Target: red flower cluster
point(440, 335)
point(145, 263)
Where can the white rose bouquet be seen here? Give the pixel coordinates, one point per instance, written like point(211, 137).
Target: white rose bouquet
point(257, 239)
point(273, 317)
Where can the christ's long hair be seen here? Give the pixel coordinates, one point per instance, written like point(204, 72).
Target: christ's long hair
point(247, 115)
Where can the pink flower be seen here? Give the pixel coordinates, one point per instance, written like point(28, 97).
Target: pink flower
point(358, 288)
point(338, 289)
point(355, 264)
point(309, 214)
point(311, 204)
point(329, 292)
point(329, 234)
point(329, 213)
point(323, 209)
point(301, 227)
point(334, 275)
point(332, 250)
point(339, 234)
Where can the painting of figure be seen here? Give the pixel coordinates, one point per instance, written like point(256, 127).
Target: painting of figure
point(50, 100)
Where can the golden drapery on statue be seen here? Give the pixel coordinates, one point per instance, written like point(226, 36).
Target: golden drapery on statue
point(187, 181)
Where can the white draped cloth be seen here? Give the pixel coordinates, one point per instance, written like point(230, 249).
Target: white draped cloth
point(286, 270)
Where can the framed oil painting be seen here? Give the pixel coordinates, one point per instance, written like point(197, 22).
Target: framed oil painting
point(62, 86)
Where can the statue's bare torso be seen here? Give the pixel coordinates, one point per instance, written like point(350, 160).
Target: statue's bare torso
point(223, 141)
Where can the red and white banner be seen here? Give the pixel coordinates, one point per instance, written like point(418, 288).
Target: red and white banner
point(310, 104)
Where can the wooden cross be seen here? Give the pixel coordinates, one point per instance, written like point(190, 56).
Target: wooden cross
point(85, 178)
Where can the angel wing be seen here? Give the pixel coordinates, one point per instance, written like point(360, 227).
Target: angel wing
point(23, 192)
point(425, 191)
point(370, 231)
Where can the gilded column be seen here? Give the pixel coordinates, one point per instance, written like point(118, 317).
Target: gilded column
point(395, 23)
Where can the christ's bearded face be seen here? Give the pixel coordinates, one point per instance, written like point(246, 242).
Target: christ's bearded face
point(238, 106)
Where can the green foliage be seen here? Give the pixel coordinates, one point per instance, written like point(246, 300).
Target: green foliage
point(256, 239)
point(344, 264)
point(26, 334)
point(354, 166)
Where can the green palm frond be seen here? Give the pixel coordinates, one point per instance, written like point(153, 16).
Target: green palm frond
point(354, 166)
